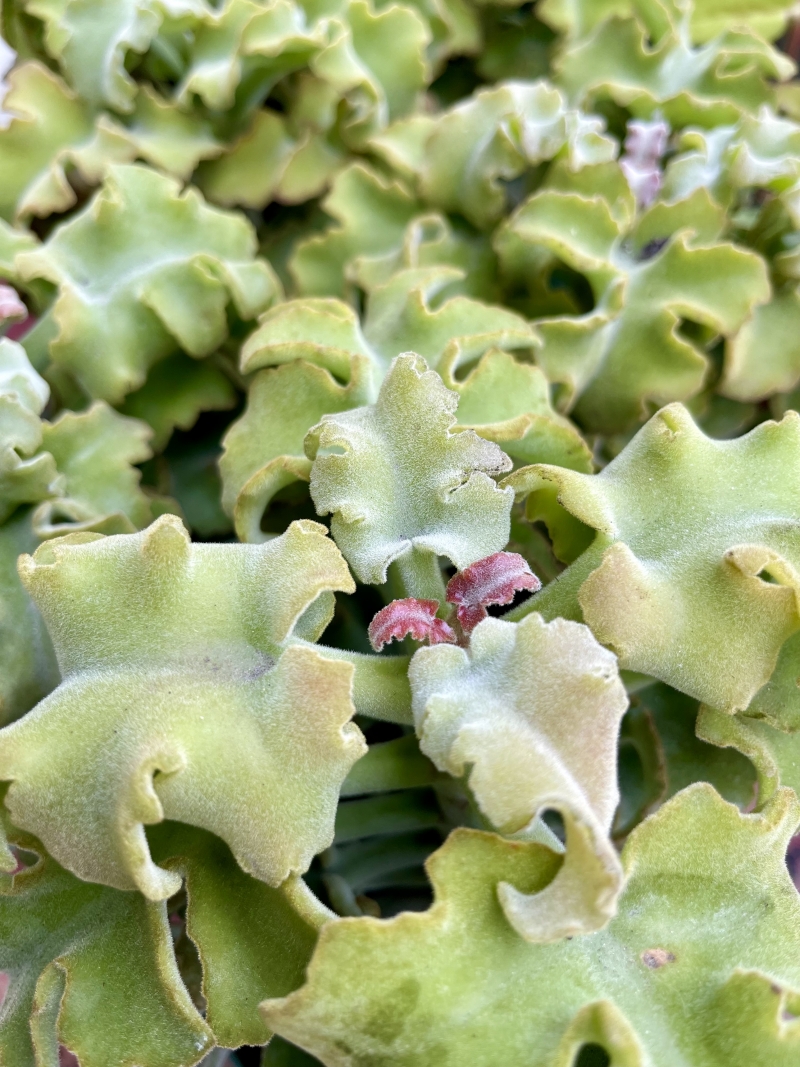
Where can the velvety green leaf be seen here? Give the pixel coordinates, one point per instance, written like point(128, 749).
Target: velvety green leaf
point(377, 62)
point(374, 60)
point(692, 574)
point(168, 137)
point(271, 161)
point(683, 757)
point(91, 40)
point(764, 357)
point(698, 966)
point(433, 240)
point(142, 270)
point(647, 64)
point(494, 136)
point(626, 354)
point(92, 968)
point(707, 18)
point(401, 486)
point(240, 38)
point(254, 941)
point(399, 316)
point(28, 668)
point(774, 753)
point(533, 709)
point(53, 131)
point(95, 452)
point(506, 401)
point(177, 390)
point(455, 29)
point(371, 214)
point(759, 152)
point(27, 474)
point(263, 450)
point(319, 330)
point(20, 380)
point(184, 698)
point(12, 241)
point(405, 315)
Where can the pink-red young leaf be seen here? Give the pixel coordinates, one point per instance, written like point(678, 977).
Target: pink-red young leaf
point(409, 617)
point(11, 307)
point(493, 580)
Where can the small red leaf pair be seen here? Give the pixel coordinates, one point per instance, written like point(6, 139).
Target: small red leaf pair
point(409, 617)
point(493, 580)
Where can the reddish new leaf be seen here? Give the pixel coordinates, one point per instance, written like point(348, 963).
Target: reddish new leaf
point(409, 618)
point(11, 307)
point(493, 580)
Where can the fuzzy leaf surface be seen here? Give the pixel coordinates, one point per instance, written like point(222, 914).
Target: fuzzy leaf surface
point(709, 921)
point(62, 939)
point(399, 482)
point(95, 452)
point(92, 39)
point(27, 474)
point(646, 63)
point(192, 702)
point(254, 941)
point(28, 668)
point(52, 131)
point(626, 354)
point(263, 450)
point(692, 576)
point(534, 710)
point(143, 270)
point(497, 134)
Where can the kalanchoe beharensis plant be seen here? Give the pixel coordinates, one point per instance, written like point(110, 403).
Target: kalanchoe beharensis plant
point(399, 533)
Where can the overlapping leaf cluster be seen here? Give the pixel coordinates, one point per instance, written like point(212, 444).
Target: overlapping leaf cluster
point(318, 313)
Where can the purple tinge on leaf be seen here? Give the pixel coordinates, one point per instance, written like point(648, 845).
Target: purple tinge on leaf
point(646, 141)
point(11, 307)
point(493, 580)
point(409, 618)
point(645, 144)
point(645, 181)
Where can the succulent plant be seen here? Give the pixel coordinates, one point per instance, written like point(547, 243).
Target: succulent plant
point(399, 533)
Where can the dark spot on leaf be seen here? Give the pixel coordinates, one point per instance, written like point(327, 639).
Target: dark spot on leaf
point(652, 248)
point(592, 1056)
point(657, 957)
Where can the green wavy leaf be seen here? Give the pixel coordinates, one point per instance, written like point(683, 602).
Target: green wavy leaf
point(647, 63)
point(371, 214)
point(494, 136)
point(194, 705)
point(92, 40)
point(253, 941)
point(699, 966)
point(401, 486)
point(27, 474)
point(143, 270)
point(533, 710)
point(28, 670)
point(177, 390)
point(627, 354)
point(692, 573)
point(52, 132)
point(62, 940)
point(95, 452)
